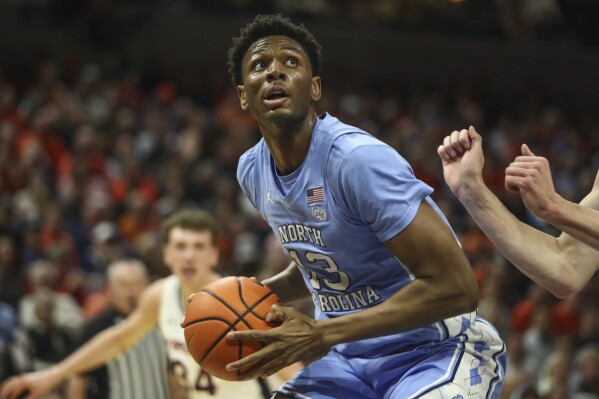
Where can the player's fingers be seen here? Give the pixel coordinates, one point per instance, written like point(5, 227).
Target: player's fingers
point(190, 298)
point(247, 361)
point(514, 169)
point(512, 184)
point(442, 153)
point(454, 139)
point(476, 140)
point(251, 335)
point(276, 313)
point(464, 139)
point(527, 151)
point(448, 147)
point(10, 389)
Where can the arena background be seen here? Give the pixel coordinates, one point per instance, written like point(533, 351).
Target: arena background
point(114, 113)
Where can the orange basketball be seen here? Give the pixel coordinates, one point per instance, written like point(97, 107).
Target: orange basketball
point(229, 304)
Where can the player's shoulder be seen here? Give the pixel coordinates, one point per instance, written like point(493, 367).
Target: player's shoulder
point(250, 155)
point(347, 138)
point(247, 162)
point(152, 295)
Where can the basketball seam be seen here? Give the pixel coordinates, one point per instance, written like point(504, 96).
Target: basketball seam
point(231, 325)
point(240, 287)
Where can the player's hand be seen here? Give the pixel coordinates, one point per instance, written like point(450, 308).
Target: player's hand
point(462, 158)
point(30, 385)
point(296, 339)
point(530, 175)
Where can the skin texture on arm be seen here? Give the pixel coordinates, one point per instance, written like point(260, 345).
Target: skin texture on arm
point(444, 286)
point(561, 265)
point(103, 347)
point(77, 387)
point(530, 175)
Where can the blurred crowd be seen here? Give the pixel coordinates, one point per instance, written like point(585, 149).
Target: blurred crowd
point(90, 164)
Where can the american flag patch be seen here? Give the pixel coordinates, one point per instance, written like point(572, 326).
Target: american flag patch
point(314, 195)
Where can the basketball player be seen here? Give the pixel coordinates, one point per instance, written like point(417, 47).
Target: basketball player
point(190, 252)
point(395, 296)
point(141, 372)
point(562, 265)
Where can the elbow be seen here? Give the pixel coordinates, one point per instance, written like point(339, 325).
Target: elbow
point(466, 296)
point(461, 297)
point(567, 282)
point(470, 297)
point(565, 289)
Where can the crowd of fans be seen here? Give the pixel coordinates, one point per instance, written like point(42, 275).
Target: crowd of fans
point(90, 164)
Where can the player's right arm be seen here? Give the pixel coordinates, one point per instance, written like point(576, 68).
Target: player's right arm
point(288, 284)
point(561, 265)
point(530, 176)
point(103, 347)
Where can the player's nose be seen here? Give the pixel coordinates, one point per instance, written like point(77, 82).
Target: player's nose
point(275, 71)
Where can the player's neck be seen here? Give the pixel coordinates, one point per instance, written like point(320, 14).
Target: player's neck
point(289, 143)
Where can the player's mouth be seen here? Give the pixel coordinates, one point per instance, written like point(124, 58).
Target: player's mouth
point(188, 272)
point(275, 97)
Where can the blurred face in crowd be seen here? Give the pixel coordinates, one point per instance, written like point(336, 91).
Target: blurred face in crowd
point(277, 80)
point(191, 255)
point(125, 285)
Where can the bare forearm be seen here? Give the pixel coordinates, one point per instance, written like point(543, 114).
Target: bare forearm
point(288, 285)
point(417, 304)
point(578, 221)
point(536, 254)
point(100, 349)
point(76, 388)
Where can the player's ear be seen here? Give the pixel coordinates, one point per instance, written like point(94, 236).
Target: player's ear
point(316, 91)
point(242, 97)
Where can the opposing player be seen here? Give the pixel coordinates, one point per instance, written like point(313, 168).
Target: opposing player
point(562, 265)
point(190, 252)
point(395, 296)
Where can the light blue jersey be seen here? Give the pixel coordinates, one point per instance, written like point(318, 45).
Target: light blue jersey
point(332, 215)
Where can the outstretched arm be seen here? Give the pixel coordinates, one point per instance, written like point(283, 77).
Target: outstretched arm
point(561, 265)
point(530, 175)
point(103, 347)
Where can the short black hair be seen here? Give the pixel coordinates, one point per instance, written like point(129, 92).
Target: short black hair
point(193, 219)
point(271, 25)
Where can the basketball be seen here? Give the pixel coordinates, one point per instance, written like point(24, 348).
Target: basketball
point(228, 304)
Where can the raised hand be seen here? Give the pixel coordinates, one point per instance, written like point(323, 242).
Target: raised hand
point(530, 175)
point(462, 158)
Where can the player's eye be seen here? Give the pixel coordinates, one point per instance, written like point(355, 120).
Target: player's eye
point(291, 61)
point(259, 66)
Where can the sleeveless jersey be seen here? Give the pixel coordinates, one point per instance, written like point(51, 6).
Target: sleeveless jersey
point(203, 385)
point(332, 215)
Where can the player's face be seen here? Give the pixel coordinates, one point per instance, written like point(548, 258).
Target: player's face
point(191, 255)
point(277, 80)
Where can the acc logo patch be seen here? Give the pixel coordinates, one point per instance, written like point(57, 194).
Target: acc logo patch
point(319, 213)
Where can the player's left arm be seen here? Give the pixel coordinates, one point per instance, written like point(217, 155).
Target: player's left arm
point(444, 284)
